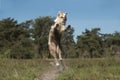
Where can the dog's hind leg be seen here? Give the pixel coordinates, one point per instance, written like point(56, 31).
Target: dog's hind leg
point(59, 52)
point(53, 52)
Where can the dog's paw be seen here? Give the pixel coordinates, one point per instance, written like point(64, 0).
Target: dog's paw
point(57, 64)
point(69, 26)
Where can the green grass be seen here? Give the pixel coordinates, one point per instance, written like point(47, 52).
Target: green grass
point(91, 69)
point(11, 69)
point(78, 69)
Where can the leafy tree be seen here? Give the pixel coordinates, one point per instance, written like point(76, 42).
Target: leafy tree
point(68, 43)
point(14, 38)
point(112, 44)
point(89, 43)
point(41, 27)
point(7, 33)
point(24, 45)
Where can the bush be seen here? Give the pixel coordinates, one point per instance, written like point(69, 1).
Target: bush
point(19, 52)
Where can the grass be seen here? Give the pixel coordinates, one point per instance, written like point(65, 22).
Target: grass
point(11, 69)
point(78, 69)
point(92, 69)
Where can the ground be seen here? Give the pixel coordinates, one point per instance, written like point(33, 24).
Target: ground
point(52, 73)
point(75, 69)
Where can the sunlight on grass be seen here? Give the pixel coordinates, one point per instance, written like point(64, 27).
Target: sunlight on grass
point(92, 69)
point(21, 69)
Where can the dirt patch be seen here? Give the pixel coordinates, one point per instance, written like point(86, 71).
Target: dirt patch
point(52, 73)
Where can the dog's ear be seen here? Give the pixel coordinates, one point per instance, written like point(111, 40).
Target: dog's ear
point(66, 13)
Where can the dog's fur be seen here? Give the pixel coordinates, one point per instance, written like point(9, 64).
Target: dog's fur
point(55, 36)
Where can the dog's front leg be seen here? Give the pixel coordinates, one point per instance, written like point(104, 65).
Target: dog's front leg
point(68, 26)
point(63, 28)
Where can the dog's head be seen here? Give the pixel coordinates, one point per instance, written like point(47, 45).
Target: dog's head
point(61, 18)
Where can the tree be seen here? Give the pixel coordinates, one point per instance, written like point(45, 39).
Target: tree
point(68, 43)
point(111, 44)
point(89, 43)
point(14, 39)
point(41, 27)
point(7, 33)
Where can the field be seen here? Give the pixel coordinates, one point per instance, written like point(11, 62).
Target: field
point(92, 69)
point(11, 69)
point(77, 69)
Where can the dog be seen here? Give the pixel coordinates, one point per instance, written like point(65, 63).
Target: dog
point(55, 36)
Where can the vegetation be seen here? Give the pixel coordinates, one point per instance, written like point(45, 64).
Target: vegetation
point(91, 69)
point(77, 69)
point(14, 69)
point(29, 40)
point(92, 43)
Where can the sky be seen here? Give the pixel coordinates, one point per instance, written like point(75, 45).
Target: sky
point(82, 14)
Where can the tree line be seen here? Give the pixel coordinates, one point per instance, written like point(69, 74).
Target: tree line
point(29, 40)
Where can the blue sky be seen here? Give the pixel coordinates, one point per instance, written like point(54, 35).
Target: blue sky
point(82, 14)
